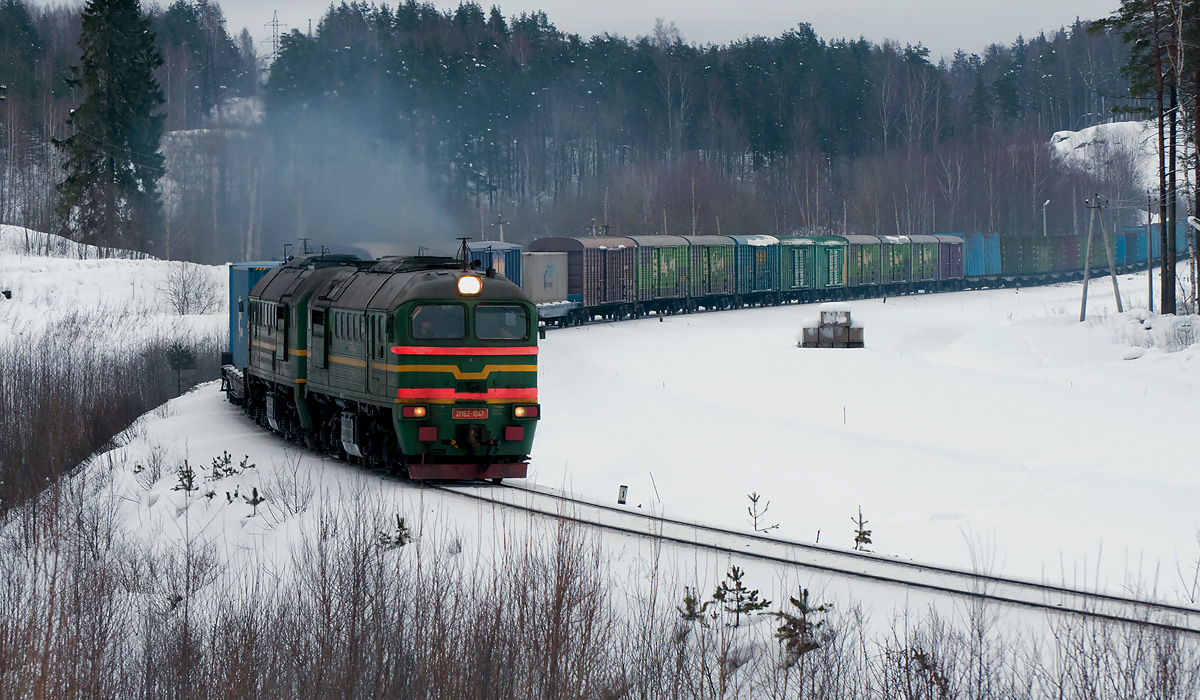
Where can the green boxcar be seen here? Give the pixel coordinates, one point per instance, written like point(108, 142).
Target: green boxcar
point(797, 262)
point(829, 261)
point(864, 260)
point(661, 268)
point(711, 265)
point(924, 258)
point(896, 256)
point(1013, 256)
point(1099, 257)
point(1057, 247)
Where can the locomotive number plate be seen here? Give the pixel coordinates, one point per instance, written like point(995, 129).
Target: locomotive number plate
point(470, 414)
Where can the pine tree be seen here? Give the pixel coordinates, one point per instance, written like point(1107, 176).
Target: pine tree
point(110, 193)
point(735, 598)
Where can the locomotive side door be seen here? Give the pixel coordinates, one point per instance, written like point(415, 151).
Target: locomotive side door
point(316, 342)
point(376, 360)
point(281, 331)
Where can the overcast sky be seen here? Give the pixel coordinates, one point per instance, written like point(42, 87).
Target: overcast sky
point(942, 26)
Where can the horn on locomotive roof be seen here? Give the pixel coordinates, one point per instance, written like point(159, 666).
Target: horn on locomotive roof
point(462, 250)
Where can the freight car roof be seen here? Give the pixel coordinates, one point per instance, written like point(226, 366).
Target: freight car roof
point(708, 240)
point(570, 245)
point(659, 241)
point(756, 240)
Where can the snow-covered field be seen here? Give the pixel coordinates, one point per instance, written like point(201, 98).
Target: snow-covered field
point(978, 430)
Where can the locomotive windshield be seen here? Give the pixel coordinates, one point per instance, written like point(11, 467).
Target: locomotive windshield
point(494, 322)
point(438, 322)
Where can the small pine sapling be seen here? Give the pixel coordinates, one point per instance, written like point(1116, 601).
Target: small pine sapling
point(693, 610)
point(180, 358)
point(221, 466)
point(798, 629)
point(757, 513)
point(398, 537)
point(862, 536)
point(254, 500)
point(187, 478)
point(735, 598)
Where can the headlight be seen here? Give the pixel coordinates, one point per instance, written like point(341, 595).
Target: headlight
point(525, 412)
point(413, 411)
point(469, 285)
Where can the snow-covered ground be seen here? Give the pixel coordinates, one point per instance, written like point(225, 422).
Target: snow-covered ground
point(979, 430)
point(120, 301)
point(979, 427)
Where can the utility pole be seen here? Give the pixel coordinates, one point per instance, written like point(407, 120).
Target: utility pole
point(1087, 261)
point(1149, 255)
point(1044, 205)
point(1108, 250)
point(1095, 206)
point(500, 224)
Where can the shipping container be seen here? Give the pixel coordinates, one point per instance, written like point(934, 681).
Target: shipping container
point(757, 264)
point(504, 258)
point(600, 271)
point(662, 267)
point(544, 276)
point(711, 265)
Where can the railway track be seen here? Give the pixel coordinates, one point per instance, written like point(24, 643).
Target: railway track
point(863, 566)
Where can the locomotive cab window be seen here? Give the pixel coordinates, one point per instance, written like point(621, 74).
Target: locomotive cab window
point(495, 322)
point(438, 322)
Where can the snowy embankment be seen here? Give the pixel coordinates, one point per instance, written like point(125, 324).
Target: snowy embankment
point(120, 300)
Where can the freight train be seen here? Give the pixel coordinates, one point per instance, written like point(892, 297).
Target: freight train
point(575, 280)
point(427, 366)
point(417, 365)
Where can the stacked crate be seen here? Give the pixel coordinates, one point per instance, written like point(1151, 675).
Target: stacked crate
point(834, 330)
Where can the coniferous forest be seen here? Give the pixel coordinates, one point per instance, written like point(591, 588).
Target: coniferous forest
point(393, 126)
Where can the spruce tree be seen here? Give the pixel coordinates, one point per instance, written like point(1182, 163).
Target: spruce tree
point(110, 194)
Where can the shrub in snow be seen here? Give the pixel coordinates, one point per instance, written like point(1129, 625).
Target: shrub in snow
point(799, 630)
point(397, 537)
point(189, 289)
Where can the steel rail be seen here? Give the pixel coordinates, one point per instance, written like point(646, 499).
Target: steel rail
point(479, 494)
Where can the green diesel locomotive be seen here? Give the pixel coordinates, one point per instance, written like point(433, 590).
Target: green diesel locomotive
point(417, 365)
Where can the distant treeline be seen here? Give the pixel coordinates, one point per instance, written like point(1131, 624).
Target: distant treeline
point(406, 124)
